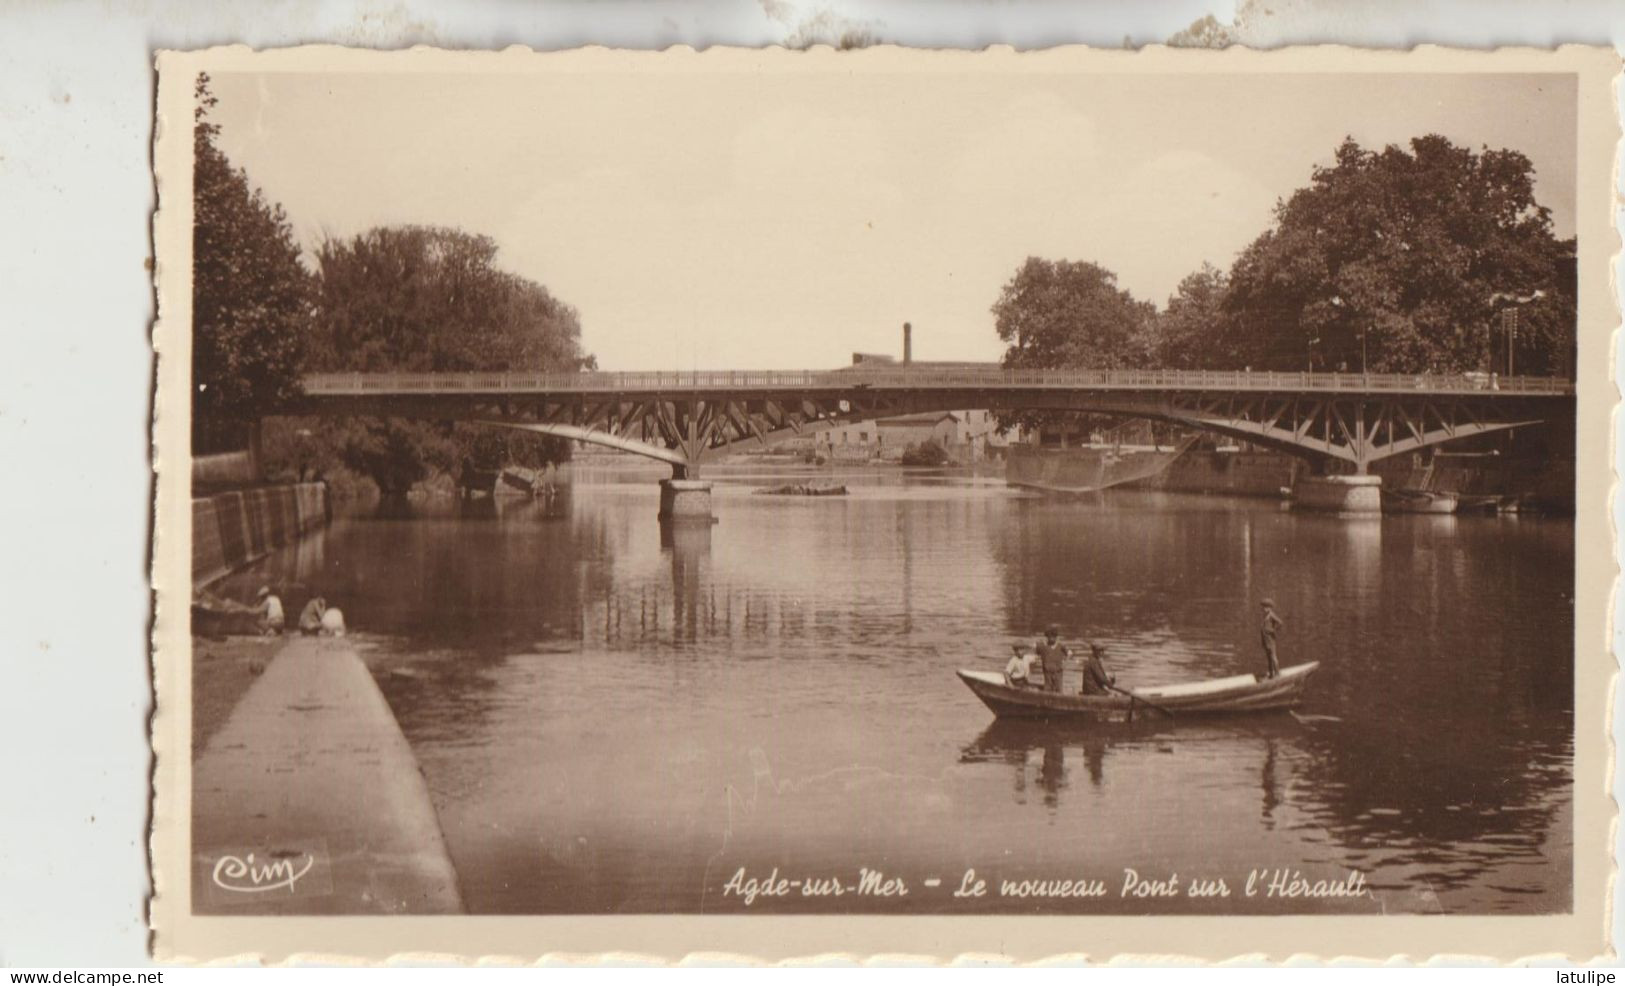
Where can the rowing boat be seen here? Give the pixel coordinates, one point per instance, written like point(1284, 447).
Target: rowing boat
point(1213, 696)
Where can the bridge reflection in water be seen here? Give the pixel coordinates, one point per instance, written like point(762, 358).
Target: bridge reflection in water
point(615, 720)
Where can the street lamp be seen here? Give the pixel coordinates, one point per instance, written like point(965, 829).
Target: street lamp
point(1337, 302)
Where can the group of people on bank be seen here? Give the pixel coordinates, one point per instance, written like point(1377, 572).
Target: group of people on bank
point(317, 619)
point(1042, 666)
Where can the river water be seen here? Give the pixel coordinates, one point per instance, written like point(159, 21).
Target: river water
point(616, 718)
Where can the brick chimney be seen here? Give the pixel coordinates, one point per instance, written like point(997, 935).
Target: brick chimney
point(908, 343)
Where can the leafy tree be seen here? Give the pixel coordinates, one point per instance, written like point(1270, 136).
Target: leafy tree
point(926, 453)
point(425, 299)
point(251, 299)
point(1191, 333)
point(1401, 261)
point(1061, 314)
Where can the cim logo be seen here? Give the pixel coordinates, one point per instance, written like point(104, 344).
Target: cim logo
point(264, 875)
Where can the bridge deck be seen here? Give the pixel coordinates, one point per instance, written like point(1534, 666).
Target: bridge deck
point(744, 382)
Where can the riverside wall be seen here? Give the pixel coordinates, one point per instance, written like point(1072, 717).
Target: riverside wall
point(309, 799)
point(1546, 483)
point(229, 530)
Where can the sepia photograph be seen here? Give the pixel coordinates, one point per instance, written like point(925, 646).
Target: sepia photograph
point(876, 484)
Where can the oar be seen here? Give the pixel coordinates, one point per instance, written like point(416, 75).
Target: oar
point(1142, 700)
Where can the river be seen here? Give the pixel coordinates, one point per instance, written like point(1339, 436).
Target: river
point(616, 718)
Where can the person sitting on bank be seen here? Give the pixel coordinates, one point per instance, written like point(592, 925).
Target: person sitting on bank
point(1020, 672)
point(272, 618)
point(310, 618)
point(332, 622)
point(1096, 679)
point(1271, 625)
point(1053, 654)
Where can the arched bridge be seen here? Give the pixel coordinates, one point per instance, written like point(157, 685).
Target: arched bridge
point(685, 418)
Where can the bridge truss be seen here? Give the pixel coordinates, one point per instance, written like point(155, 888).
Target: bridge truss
point(685, 419)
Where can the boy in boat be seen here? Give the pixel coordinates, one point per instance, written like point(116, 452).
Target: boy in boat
point(1096, 679)
point(1266, 635)
point(1053, 655)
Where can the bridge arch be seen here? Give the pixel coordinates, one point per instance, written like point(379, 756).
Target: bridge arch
point(684, 419)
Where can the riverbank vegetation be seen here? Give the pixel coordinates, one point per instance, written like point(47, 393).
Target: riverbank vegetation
point(394, 298)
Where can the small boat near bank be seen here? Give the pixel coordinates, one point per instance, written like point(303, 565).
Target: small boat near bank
point(1213, 696)
point(1414, 501)
point(1086, 468)
point(801, 489)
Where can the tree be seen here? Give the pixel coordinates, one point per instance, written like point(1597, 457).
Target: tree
point(1061, 314)
point(1398, 261)
point(428, 299)
point(1192, 332)
point(250, 296)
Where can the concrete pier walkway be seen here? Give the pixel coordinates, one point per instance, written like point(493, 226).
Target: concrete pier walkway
point(309, 800)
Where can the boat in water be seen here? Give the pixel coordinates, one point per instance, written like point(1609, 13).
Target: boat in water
point(801, 489)
point(1213, 696)
point(1086, 468)
point(522, 481)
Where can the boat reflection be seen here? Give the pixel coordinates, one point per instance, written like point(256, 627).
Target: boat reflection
point(1018, 743)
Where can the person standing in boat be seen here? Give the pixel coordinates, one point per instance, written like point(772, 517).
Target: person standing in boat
point(1267, 630)
point(1053, 655)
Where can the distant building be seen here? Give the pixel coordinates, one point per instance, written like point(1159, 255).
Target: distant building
point(966, 435)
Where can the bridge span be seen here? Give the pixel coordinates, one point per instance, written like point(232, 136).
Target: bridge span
point(686, 418)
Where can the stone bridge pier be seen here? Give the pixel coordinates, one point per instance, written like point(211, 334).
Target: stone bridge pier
point(686, 501)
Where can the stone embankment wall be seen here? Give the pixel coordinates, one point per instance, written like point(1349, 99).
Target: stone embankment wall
point(1547, 482)
point(230, 530)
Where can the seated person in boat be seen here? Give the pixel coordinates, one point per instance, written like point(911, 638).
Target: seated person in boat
point(1096, 679)
point(1021, 672)
point(1270, 626)
point(272, 618)
point(1053, 654)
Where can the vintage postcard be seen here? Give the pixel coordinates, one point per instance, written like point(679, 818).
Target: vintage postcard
point(784, 504)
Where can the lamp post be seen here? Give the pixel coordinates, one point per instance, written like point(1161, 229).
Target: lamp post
point(1365, 326)
point(1509, 305)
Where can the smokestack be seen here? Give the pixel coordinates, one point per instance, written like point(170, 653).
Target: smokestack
point(908, 343)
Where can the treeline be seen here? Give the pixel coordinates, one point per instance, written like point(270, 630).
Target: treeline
point(403, 298)
point(1401, 261)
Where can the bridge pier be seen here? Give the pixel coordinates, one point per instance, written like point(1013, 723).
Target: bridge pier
point(1359, 493)
point(686, 500)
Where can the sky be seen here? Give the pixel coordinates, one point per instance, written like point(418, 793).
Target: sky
point(748, 220)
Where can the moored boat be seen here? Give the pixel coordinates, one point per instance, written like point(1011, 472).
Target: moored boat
point(1213, 696)
point(802, 489)
point(1086, 468)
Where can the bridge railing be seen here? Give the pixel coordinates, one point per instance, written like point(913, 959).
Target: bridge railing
point(991, 378)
